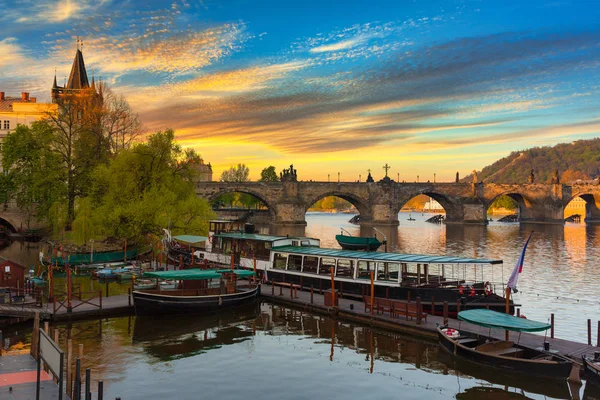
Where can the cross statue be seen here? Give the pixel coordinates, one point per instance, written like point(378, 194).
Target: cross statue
point(386, 167)
point(369, 171)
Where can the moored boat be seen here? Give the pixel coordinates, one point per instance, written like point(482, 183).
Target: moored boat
point(89, 258)
point(591, 368)
point(198, 291)
point(358, 243)
point(502, 354)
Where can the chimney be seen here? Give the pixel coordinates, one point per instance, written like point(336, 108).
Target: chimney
point(24, 96)
point(33, 99)
point(1, 95)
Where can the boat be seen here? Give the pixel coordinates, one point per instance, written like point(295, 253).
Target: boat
point(181, 248)
point(99, 257)
point(301, 260)
point(142, 284)
point(198, 291)
point(591, 367)
point(348, 242)
point(504, 355)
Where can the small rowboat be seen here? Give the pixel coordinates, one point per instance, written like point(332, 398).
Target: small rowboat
point(501, 354)
point(591, 367)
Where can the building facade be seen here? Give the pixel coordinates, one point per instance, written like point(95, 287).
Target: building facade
point(21, 110)
point(204, 171)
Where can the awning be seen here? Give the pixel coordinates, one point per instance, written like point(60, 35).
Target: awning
point(238, 272)
point(494, 319)
point(191, 240)
point(193, 274)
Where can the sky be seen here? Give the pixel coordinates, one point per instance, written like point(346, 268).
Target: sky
point(428, 87)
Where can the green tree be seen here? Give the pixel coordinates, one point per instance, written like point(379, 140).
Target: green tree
point(239, 173)
point(268, 175)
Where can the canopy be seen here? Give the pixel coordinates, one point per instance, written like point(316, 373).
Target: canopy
point(238, 272)
point(494, 319)
point(193, 274)
point(190, 239)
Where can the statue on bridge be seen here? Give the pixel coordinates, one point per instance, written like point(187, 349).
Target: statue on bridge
point(370, 177)
point(457, 179)
point(288, 175)
point(555, 179)
point(474, 176)
point(531, 178)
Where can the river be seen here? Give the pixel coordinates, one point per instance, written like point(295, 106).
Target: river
point(273, 352)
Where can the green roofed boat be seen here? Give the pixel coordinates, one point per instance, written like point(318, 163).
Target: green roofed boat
point(198, 291)
point(98, 257)
point(504, 354)
point(358, 243)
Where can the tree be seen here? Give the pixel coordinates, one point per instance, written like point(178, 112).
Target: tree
point(268, 175)
point(572, 176)
point(237, 173)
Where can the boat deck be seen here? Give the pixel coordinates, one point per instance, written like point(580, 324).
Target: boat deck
point(352, 309)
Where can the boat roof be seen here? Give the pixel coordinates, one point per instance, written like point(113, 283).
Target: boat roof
point(238, 272)
point(257, 236)
point(495, 319)
point(380, 256)
point(184, 274)
point(190, 239)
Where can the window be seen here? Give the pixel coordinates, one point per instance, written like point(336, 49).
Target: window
point(311, 264)
point(279, 261)
point(326, 264)
point(388, 272)
point(294, 262)
point(6, 124)
point(345, 269)
point(365, 268)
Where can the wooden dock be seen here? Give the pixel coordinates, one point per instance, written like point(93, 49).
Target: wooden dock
point(18, 379)
point(354, 310)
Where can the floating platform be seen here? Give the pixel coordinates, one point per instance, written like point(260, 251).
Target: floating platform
point(18, 379)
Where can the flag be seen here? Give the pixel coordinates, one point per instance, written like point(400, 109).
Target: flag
point(514, 277)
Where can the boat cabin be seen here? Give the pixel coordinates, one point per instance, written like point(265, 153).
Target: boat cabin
point(253, 245)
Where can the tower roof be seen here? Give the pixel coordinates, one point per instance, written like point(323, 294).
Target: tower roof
point(78, 78)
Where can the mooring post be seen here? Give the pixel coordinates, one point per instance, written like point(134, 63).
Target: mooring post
point(69, 366)
point(518, 312)
point(419, 316)
point(312, 293)
point(589, 324)
point(552, 325)
point(46, 326)
point(598, 336)
point(100, 390)
point(129, 296)
point(35, 336)
point(88, 389)
point(56, 336)
point(445, 313)
point(77, 393)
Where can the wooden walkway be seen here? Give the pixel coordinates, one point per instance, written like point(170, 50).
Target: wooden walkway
point(18, 378)
point(352, 309)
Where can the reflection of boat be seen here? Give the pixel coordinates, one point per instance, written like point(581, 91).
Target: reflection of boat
point(502, 354)
point(592, 369)
point(489, 393)
point(542, 386)
point(172, 337)
point(197, 292)
point(349, 242)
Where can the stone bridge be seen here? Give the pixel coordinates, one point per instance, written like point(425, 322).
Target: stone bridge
point(379, 203)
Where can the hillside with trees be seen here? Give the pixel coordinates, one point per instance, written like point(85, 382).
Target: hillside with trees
point(576, 160)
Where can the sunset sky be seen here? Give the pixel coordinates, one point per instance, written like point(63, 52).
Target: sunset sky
point(330, 86)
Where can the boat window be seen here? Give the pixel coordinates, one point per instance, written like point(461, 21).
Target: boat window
point(326, 264)
point(311, 264)
point(294, 262)
point(279, 261)
point(295, 243)
point(365, 268)
point(345, 268)
point(387, 271)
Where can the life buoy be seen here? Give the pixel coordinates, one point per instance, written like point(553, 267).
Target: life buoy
point(488, 288)
point(451, 332)
point(472, 293)
point(522, 316)
point(461, 289)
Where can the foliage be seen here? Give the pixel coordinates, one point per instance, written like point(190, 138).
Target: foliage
point(83, 225)
point(506, 202)
point(239, 173)
point(576, 160)
point(268, 175)
point(331, 203)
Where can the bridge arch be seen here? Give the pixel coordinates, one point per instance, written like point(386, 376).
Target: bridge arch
point(524, 203)
point(361, 204)
point(245, 190)
point(454, 210)
point(592, 205)
point(7, 225)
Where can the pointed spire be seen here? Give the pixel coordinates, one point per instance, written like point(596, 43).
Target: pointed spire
point(54, 85)
point(78, 78)
point(93, 81)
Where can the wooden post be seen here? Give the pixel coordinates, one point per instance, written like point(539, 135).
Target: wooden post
point(445, 313)
point(100, 297)
point(457, 306)
point(46, 326)
point(180, 261)
point(69, 366)
point(312, 292)
point(598, 336)
point(81, 351)
point(56, 336)
point(507, 309)
point(419, 316)
point(589, 326)
point(372, 277)
point(518, 312)
point(419, 274)
point(35, 335)
point(552, 325)
point(291, 290)
point(70, 291)
point(106, 287)
point(129, 296)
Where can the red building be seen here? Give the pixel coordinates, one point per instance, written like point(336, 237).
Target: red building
point(11, 274)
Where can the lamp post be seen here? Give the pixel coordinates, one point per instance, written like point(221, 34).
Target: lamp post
point(417, 178)
point(434, 177)
point(338, 177)
point(328, 180)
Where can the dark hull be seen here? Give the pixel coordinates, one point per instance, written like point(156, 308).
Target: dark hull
point(522, 366)
point(358, 243)
point(592, 372)
point(358, 288)
point(165, 304)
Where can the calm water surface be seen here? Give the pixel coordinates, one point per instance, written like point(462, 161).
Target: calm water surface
point(272, 352)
